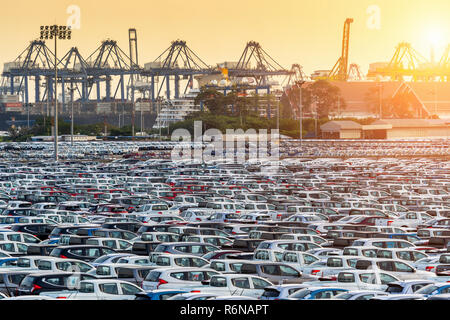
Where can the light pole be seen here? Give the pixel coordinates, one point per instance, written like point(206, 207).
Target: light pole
point(300, 108)
point(278, 115)
point(380, 87)
point(159, 117)
point(56, 32)
point(28, 115)
point(71, 114)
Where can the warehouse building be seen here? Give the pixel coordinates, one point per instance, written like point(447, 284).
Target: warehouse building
point(407, 128)
point(387, 129)
point(341, 130)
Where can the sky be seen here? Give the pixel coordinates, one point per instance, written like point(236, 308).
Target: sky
point(306, 32)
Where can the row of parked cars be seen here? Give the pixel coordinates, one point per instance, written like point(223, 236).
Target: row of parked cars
point(100, 150)
point(149, 228)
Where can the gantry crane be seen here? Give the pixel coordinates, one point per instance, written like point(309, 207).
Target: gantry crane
point(340, 69)
point(406, 62)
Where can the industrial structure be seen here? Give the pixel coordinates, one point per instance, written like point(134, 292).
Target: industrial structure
point(387, 129)
point(112, 83)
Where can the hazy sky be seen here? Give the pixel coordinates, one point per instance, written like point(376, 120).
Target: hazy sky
point(307, 32)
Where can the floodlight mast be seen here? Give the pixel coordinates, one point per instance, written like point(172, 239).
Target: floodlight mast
point(62, 33)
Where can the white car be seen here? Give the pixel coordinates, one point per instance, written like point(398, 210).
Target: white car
point(195, 215)
point(398, 268)
point(281, 291)
point(14, 248)
point(241, 285)
point(99, 289)
point(305, 237)
point(18, 237)
point(168, 278)
point(298, 259)
point(407, 286)
point(409, 255)
point(193, 296)
point(411, 220)
point(214, 240)
point(363, 251)
point(63, 265)
point(135, 259)
point(359, 295)
point(179, 260)
point(330, 266)
point(113, 243)
point(155, 208)
point(359, 280)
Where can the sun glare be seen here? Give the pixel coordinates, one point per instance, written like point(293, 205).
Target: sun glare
point(435, 36)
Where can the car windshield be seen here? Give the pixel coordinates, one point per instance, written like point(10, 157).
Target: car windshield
point(427, 289)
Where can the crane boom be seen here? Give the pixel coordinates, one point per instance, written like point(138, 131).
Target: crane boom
point(340, 69)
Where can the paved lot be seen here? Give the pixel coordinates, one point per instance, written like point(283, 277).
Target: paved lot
point(121, 220)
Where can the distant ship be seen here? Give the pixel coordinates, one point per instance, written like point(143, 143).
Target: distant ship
point(175, 110)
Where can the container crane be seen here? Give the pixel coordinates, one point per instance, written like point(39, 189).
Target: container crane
point(340, 69)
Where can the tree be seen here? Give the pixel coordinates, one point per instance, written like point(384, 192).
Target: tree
point(321, 94)
point(325, 96)
point(286, 111)
point(212, 99)
point(400, 106)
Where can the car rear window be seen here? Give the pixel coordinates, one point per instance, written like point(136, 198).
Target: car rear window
point(153, 276)
point(16, 278)
point(271, 293)
point(86, 287)
point(28, 282)
point(163, 261)
point(125, 273)
point(218, 282)
point(248, 269)
point(103, 271)
point(219, 266)
point(45, 265)
point(362, 265)
point(236, 267)
point(394, 288)
point(23, 263)
point(346, 277)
